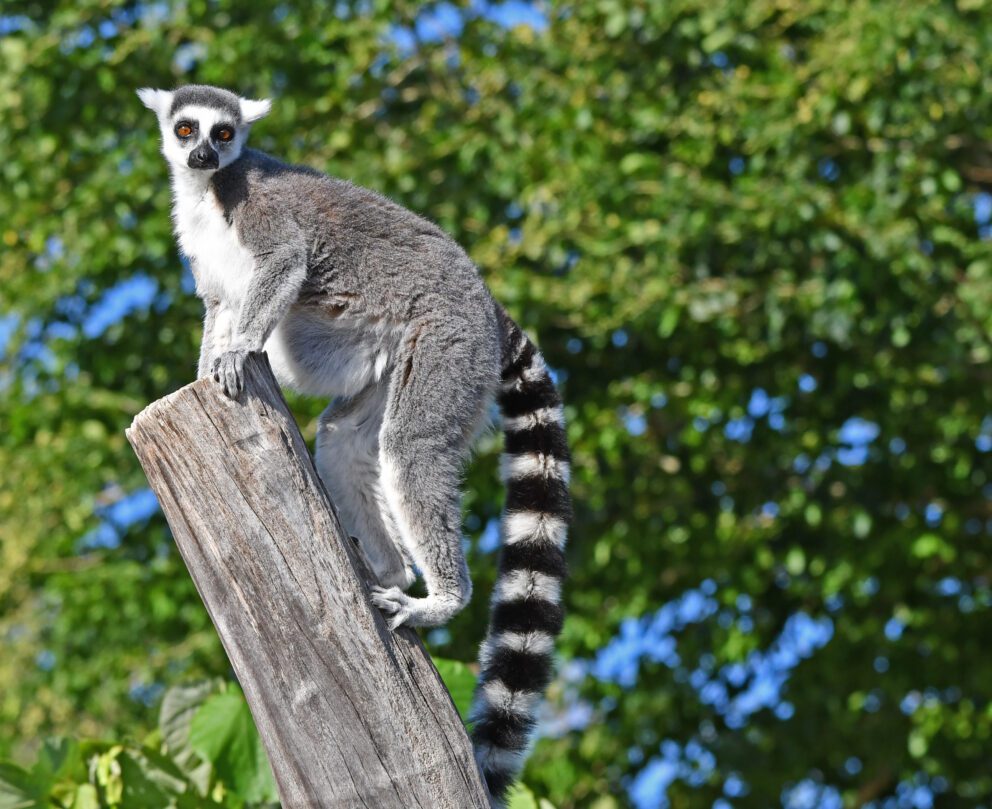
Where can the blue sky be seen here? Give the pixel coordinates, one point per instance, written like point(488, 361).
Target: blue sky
point(446, 20)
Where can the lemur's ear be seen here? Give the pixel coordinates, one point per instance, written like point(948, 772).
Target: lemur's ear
point(157, 101)
point(252, 110)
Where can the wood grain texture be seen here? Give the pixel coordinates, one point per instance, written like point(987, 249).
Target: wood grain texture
point(352, 715)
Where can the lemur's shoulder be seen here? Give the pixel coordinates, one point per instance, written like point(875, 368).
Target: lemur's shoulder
point(257, 179)
point(260, 185)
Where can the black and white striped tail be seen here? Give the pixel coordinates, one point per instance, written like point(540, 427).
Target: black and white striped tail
point(517, 655)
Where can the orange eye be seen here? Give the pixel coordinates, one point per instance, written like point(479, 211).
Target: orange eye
point(184, 130)
point(224, 134)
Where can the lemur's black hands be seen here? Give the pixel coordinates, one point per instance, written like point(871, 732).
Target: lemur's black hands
point(229, 370)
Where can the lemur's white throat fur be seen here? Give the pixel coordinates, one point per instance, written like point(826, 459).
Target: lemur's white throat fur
point(354, 297)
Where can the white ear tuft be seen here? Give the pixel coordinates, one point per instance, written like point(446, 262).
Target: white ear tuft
point(252, 110)
point(157, 101)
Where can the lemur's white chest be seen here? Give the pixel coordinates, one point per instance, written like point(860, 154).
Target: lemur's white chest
point(222, 265)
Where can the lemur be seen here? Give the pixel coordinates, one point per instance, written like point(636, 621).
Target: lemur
point(354, 297)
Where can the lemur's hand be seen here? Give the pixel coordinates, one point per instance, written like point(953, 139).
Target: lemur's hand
point(229, 370)
point(394, 604)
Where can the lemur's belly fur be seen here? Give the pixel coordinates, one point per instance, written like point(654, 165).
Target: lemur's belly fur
point(354, 351)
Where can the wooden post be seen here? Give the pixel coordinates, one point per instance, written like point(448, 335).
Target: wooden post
point(351, 714)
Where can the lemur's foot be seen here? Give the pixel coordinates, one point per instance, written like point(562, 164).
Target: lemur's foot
point(229, 370)
point(398, 608)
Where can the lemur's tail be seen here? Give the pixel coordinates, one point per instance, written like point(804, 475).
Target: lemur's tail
point(517, 655)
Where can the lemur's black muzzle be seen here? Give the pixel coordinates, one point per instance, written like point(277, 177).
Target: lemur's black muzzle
point(203, 157)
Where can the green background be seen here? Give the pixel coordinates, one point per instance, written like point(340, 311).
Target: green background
point(751, 239)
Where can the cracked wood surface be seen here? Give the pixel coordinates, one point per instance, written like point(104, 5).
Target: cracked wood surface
point(351, 714)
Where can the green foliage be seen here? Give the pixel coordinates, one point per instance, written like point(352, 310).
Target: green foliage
point(460, 682)
point(18, 790)
point(180, 705)
point(684, 202)
point(520, 797)
point(223, 733)
point(209, 755)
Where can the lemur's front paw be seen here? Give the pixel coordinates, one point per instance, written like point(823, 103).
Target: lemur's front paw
point(394, 603)
point(229, 370)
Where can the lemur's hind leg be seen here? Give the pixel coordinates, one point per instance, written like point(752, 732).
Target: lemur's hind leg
point(347, 460)
point(438, 394)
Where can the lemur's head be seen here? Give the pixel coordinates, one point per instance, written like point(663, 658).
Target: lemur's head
point(203, 128)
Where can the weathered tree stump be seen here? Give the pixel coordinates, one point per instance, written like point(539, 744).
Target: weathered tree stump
point(351, 714)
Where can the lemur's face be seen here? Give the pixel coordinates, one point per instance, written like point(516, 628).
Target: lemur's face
point(203, 128)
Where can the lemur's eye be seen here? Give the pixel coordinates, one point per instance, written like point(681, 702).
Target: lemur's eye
point(224, 134)
point(183, 129)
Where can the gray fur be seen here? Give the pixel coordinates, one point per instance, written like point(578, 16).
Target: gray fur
point(354, 297)
point(348, 464)
point(210, 307)
point(205, 96)
point(359, 285)
point(329, 253)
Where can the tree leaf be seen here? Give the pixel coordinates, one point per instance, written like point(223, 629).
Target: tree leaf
point(86, 797)
point(520, 797)
point(460, 682)
point(223, 733)
point(179, 706)
point(59, 760)
point(18, 789)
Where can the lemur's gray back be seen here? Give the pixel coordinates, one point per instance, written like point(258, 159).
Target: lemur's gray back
point(404, 264)
point(355, 297)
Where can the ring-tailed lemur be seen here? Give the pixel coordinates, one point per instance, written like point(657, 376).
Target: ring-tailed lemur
point(355, 297)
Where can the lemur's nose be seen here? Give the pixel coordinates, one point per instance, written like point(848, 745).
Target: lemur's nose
point(203, 157)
